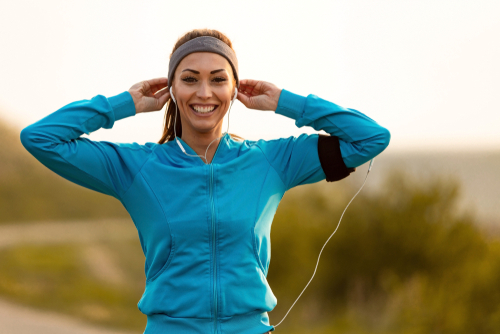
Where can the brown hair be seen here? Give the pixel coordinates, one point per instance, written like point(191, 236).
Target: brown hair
point(168, 130)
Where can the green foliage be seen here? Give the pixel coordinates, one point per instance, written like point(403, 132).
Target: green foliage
point(401, 261)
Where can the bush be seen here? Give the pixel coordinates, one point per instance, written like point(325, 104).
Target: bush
point(402, 260)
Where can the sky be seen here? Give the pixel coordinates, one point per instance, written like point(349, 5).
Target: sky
point(428, 71)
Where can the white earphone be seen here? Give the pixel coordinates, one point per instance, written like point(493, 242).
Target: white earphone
point(175, 120)
point(172, 95)
point(235, 94)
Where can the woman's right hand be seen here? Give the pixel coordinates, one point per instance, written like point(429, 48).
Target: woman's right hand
point(149, 96)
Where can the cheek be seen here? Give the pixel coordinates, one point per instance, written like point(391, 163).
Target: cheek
point(183, 100)
point(184, 95)
point(225, 95)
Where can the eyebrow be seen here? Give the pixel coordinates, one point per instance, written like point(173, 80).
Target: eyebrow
point(215, 71)
point(196, 72)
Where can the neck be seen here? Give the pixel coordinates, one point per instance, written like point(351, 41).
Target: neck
point(199, 141)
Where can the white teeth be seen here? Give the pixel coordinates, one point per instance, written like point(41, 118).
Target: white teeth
point(203, 109)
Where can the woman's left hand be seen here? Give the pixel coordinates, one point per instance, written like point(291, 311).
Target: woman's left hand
point(259, 95)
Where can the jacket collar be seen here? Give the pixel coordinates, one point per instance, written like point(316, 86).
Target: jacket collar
point(225, 145)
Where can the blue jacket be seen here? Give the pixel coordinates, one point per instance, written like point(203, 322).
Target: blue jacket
point(204, 228)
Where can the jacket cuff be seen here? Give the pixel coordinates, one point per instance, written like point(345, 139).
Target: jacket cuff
point(123, 105)
point(330, 158)
point(291, 105)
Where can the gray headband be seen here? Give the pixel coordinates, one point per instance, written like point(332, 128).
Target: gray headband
point(203, 44)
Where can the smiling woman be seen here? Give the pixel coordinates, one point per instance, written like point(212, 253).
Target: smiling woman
point(218, 77)
point(204, 225)
point(203, 97)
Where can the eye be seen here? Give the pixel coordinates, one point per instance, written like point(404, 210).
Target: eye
point(219, 79)
point(189, 79)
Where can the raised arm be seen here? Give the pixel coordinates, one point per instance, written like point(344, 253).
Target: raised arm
point(354, 138)
point(103, 166)
point(360, 137)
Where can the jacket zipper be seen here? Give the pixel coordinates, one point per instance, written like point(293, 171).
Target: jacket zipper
point(213, 249)
point(213, 238)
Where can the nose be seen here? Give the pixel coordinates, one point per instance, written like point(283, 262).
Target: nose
point(204, 92)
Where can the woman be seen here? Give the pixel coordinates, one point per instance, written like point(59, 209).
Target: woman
point(203, 201)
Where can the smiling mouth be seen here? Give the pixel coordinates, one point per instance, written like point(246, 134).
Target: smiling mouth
point(204, 110)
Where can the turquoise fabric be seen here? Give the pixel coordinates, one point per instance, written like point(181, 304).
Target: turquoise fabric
point(204, 228)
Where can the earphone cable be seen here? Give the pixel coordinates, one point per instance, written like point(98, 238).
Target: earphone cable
point(206, 151)
point(324, 247)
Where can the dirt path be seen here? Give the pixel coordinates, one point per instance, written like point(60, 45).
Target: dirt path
point(15, 319)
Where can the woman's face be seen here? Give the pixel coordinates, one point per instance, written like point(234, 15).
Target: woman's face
point(203, 88)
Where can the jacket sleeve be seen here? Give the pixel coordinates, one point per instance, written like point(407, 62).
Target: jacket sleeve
point(103, 166)
point(353, 139)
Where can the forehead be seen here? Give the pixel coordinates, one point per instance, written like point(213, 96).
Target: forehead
point(204, 62)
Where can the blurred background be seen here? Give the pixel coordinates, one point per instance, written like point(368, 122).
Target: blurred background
point(417, 250)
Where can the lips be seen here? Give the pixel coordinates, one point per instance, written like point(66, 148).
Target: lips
point(203, 110)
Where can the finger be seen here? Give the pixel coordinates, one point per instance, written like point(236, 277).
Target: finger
point(157, 84)
point(163, 97)
point(249, 82)
point(254, 87)
point(158, 81)
point(246, 87)
point(156, 88)
point(243, 89)
point(161, 92)
point(249, 90)
point(243, 99)
point(247, 94)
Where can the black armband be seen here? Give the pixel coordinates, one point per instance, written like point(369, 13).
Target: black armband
point(330, 158)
